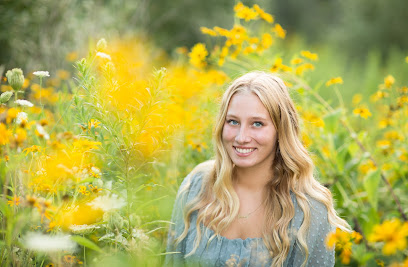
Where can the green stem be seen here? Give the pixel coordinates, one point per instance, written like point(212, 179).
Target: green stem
point(344, 122)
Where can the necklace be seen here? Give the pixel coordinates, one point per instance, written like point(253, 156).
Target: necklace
point(249, 214)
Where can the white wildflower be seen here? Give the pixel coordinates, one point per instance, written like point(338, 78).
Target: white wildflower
point(103, 55)
point(24, 103)
point(42, 133)
point(22, 117)
point(48, 243)
point(41, 74)
point(83, 229)
point(107, 203)
point(139, 234)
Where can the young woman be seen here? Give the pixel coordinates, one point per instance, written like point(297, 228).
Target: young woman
point(257, 203)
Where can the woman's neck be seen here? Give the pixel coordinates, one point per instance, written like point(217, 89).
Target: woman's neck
point(252, 179)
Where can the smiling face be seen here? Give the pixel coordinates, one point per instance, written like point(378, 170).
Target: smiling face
point(249, 135)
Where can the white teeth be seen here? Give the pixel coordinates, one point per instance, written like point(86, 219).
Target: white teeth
point(244, 151)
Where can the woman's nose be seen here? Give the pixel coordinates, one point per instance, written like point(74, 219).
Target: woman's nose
point(242, 136)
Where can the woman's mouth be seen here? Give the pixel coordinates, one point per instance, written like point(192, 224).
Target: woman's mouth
point(243, 152)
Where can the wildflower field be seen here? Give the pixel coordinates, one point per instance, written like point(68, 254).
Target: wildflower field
point(91, 157)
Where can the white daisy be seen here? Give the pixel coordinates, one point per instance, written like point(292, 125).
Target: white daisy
point(24, 103)
point(41, 74)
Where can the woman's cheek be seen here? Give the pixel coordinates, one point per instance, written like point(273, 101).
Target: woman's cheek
point(227, 133)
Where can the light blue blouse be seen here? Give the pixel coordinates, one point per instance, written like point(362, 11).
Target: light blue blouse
point(222, 251)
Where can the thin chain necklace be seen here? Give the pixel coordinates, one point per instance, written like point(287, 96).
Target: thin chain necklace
point(249, 214)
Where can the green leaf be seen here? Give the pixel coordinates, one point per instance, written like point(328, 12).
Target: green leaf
point(371, 182)
point(86, 243)
point(331, 120)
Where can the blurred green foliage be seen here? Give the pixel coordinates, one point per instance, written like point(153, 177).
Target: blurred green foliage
point(35, 34)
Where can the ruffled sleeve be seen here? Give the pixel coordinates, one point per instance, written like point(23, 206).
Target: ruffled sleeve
point(188, 189)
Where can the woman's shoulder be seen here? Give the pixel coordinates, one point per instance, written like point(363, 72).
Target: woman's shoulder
point(193, 181)
point(317, 210)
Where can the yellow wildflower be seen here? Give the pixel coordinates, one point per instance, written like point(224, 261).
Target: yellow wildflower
point(20, 136)
point(247, 13)
point(43, 122)
point(208, 31)
point(296, 61)
point(313, 118)
point(266, 41)
point(378, 95)
point(389, 81)
point(402, 100)
point(393, 233)
point(197, 55)
point(402, 264)
point(248, 50)
point(406, 59)
point(94, 189)
point(403, 155)
point(93, 123)
point(85, 145)
point(306, 140)
point(302, 68)
point(367, 167)
point(63, 74)
point(279, 66)
point(5, 134)
point(403, 90)
point(12, 114)
point(362, 112)
point(337, 80)
point(384, 123)
point(69, 259)
point(309, 55)
point(393, 135)
point(221, 31)
point(15, 201)
point(71, 57)
point(238, 6)
point(32, 149)
point(279, 31)
point(383, 144)
point(26, 83)
point(265, 16)
point(237, 35)
point(288, 84)
point(83, 191)
point(342, 241)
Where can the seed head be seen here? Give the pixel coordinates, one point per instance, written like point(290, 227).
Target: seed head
point(101, 45)
point(4, 97)
point(15, 78)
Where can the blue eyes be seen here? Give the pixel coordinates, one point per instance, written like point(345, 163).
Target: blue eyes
point(257, 124)
point(232, 122)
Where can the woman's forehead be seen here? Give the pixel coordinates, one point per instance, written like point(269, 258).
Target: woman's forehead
point(248, 105)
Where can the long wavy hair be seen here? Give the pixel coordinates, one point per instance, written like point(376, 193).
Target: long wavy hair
point(293, 170)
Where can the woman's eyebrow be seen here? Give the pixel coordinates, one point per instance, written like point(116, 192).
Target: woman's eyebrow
point(252, 118)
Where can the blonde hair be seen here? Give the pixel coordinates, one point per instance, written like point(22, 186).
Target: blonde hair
point(218, 204)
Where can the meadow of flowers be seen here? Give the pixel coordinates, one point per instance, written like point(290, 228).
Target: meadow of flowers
point(91, 158)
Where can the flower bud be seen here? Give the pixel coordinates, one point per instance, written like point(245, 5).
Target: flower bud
point(15, 78)
point(101, 45)
point(4, 97)
point(114, 220)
